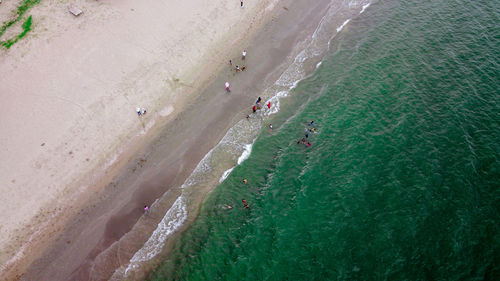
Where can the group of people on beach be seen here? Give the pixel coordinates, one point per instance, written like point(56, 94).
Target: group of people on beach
point(257, 106)
point(141, 111)
point(309, 130)
point(237, 68)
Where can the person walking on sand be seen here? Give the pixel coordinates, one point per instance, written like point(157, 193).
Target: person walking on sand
point(230, 63)
point(146, 209)
point(227, 87)
point(143, 111)
point(244, 53)
point(241, 2)
point(238, 68)
point(139, 113)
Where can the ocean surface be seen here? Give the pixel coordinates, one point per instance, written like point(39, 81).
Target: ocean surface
point(402, 177)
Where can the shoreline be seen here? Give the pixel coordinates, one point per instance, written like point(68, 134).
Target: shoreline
point(122, 249)
point(40, 233)
point(201, 181)
point(100, 188)
point(106, 220)
point(147, 167)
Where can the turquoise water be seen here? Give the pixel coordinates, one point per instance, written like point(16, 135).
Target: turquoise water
point(402, 179)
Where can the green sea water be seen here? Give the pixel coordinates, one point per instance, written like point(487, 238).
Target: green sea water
point(402, 179)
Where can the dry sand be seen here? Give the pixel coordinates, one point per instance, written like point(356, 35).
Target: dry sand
point(75, 168)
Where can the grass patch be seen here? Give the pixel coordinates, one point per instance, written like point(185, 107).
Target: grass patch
point(21, 10)
point(26, 28)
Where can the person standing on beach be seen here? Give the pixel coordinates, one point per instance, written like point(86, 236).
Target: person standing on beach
point(139, 113)
point(146, 209)
point(227, 87)
point(241, 2)
point(244, 53)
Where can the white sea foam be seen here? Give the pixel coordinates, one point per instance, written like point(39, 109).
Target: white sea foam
point(202, 168)
point(342, 26)
point(282, 94)
point(235, 142)
point(225, 175)
point(172, 220)
point(246, 153)
point(318, 64)
point(364, 8)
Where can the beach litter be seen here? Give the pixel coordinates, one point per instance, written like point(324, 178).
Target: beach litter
point(75, 11)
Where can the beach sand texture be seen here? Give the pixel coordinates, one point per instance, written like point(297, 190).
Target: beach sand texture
point(69, 93)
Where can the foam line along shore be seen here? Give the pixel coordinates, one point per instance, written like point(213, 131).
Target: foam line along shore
point(237, 143)
point(102, 232)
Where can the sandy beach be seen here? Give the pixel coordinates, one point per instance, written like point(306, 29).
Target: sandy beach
point(78, 163)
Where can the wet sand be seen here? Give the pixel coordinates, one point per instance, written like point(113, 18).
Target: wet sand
point(99, 238)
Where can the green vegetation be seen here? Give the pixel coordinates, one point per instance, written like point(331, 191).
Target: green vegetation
point(26, 28)
point(21, 10)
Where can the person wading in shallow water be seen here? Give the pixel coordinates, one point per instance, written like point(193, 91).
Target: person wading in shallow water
point(245, 204)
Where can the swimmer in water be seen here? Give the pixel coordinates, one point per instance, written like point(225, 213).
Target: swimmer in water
point(245, 181)
point(309, 144)
point(245, 204)
point(270, 128)
point(311, 123)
